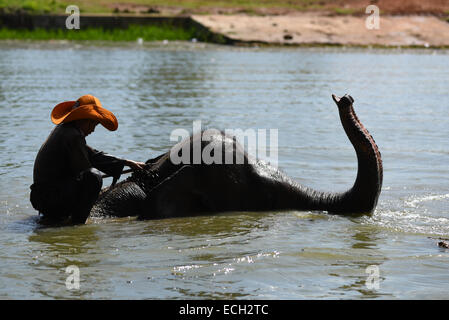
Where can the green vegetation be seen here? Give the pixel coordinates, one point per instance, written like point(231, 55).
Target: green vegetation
point(33, 6)
point(111, 6)
point(191, 6)
point(147, 33)
point(345, 11)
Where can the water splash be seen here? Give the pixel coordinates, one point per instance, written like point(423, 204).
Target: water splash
point(414, 202)
point(415, 214)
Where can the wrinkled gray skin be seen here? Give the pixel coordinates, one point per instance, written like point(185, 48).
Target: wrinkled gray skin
point(166, 190)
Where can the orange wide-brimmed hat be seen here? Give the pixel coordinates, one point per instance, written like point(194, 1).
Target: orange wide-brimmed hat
point(86, 107)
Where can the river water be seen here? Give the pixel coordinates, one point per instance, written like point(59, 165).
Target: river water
point(402, 97)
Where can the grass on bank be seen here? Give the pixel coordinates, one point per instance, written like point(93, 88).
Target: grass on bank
point(196, 6)
point(147, 33)
point(33, 6)
point(108, 6)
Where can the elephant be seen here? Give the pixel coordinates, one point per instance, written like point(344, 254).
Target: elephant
point(165, 189)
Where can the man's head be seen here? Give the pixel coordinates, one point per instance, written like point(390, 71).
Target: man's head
point(87, 126)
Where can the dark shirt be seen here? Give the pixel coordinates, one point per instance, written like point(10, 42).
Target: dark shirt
point(65, 154)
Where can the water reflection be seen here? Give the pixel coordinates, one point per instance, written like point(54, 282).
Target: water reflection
point(168, 90)
point(59, 248)
point(365, 237)
point(209, 294)
point(366, 255)
point(168, 83)
point(225, 224)
point(62, 241)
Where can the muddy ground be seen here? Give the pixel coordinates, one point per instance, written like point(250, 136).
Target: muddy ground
point(310, 28)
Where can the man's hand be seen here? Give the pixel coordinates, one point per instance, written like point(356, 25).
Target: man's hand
point(135, 165)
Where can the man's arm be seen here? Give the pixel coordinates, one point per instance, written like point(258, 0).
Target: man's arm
point(106, 163)
point(109, 164)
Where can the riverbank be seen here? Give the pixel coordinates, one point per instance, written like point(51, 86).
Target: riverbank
point(315, 29)
point(132, 33)
point(297, 29)
point(229, 7)
point(105, 27)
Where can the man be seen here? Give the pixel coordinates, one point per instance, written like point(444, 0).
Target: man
point(66, 180)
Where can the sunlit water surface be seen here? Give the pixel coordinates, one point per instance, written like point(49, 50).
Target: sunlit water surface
point(402, 97)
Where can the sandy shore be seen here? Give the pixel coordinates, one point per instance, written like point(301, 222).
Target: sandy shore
point(307, 28)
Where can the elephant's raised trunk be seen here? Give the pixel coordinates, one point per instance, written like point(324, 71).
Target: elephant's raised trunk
point(363, 196)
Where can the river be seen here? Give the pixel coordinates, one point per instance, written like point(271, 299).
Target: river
point(401, 96)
